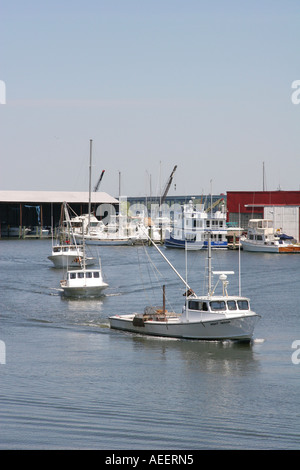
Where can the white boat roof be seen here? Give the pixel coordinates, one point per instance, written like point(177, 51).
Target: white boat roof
point(56, 197)
point(218, 297)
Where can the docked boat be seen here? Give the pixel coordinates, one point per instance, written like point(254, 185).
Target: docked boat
point(208, 317)
point(262, 237)
point(96, 233)
point(191, 225)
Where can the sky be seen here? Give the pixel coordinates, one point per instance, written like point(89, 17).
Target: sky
point(204, 85)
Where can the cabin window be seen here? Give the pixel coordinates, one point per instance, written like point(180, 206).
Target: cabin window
point(96, 274)
point(56, 250)
point(72, 275)
point(195, 305)
point(217, 305)
point(231, 304)
point(243, 304)
point(89, 275)
point(207, 223)
point(80, 275)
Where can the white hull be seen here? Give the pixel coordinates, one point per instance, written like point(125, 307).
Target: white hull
point(105, 241)
point(69, 261)
point(109, 241)
point(259, 247)
point(240, 328)
point(84, 291)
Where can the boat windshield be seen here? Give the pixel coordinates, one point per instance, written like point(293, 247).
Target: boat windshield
point(82, 275)
point(217, 305)
point(198, 305)
point(231, 304)
point(243, 304)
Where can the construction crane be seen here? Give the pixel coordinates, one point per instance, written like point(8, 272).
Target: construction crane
point(99, 181)
point(210, 208)
point(168, 184)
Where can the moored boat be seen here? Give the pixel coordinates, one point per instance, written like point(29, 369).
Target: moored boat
point(261, 237)
point(191, 225)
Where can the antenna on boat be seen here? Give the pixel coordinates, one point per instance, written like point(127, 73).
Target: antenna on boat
point(90, 182)
point(209, 263)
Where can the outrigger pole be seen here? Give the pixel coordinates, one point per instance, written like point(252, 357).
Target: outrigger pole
point(170, 264)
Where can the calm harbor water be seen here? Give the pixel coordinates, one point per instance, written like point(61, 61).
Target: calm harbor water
point(69, 382)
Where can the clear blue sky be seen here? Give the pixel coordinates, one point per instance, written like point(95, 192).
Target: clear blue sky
point(205, 85)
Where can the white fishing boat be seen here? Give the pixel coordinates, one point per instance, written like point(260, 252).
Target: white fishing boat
point(66, 253)
point(83, 282)
point(262, 237)
point(191, 225)
point(208, 317)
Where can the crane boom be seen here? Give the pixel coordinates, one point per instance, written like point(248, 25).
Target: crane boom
point(99, 181)
point(168, 185)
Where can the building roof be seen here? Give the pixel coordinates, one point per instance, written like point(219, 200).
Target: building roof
point(56, 197)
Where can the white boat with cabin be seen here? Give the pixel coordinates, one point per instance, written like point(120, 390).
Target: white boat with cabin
point(191, 225)
point(208, 317)
point(66, 253)
point(96, 233)
point(262, 237)
point(83, 282)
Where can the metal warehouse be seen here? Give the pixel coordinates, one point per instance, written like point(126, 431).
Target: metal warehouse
point(38, 209)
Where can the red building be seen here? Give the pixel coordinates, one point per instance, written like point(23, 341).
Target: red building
point(245, 205)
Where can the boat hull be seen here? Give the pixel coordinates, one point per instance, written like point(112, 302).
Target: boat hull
point(69, 261)
point(84, 291)
point(106, 241)
point(236, 329)
point(263, 248)
point(171, 242)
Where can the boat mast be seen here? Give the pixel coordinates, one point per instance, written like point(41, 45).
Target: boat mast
point(83, 246)
point(209, 263)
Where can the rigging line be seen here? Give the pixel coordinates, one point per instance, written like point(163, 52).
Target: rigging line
point(155, 271)
point(151, 264)
point(142, 277)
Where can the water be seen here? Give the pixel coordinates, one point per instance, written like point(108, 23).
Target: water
point(69, 382)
